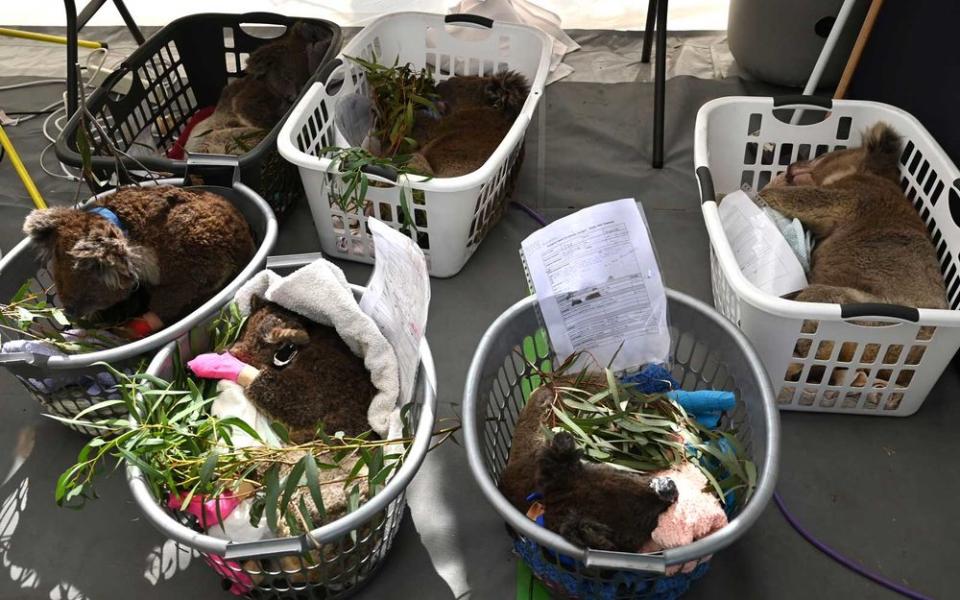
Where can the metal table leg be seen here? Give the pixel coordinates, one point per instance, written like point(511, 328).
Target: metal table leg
point(659, 74)
point(648, 31)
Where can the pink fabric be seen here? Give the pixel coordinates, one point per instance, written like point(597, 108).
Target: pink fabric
point(217, 366)
point(176, 152)
point(206, 511)
point(695, 514)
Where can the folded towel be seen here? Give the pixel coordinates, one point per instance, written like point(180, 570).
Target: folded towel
point(319, 292)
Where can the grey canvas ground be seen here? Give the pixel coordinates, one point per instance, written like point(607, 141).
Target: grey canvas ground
point(881, 490)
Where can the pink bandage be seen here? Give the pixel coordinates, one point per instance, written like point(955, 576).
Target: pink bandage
point(217, 366)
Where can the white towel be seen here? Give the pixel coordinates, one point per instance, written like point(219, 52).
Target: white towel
point(319, 292)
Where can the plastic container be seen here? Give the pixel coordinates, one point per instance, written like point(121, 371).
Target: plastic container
point(53, 380)
point(452, 215)
point(748, 141)
point(708, 352)
point(179, 70)
point(354, 546)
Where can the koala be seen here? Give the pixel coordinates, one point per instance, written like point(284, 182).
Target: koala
point(872, 246)
point(308, 374)
point(250, 106)
point(180, 246)
point(589, 504)
point(474, 115)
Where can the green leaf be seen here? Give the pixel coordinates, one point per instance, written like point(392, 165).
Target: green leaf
point(271, 484)
point(281, 431)
point(292, 483)
point(208, 469)
point(313, 484)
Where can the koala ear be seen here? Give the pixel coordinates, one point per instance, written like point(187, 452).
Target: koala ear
point(107, 257)
point(42, 224)
point(882, 150)
point(256, 303)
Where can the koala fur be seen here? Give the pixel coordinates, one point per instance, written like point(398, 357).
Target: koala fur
point(476, 112)
point(589, 504)
point(180, 246)
point(250, 106)
point(308, 375)
point(872, 246)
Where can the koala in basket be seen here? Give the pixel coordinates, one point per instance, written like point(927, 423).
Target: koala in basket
point(177, 245)
point(593, 505)
point(307, 374)
point(474, 114)
point(872, 246)
point(250, 106)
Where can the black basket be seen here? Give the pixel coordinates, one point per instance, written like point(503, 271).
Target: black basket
point(181, 69)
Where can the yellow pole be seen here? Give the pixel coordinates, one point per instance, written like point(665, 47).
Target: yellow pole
point(43, 37)
point(21, 170)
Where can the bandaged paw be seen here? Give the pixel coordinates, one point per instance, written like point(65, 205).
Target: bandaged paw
point(222, 366)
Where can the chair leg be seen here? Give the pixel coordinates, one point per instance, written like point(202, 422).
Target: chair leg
point(660, 69)
point(648, 32)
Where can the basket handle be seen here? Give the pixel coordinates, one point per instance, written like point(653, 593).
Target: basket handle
point(387, 173)
point(240, 551)
point(466, 18)
point(212, 169)
point(22, 358)
point(876, 309)
point(706, 185)
point(800, 100)
point(646, 563)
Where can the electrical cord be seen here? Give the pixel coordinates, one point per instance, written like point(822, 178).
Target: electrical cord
point(845, 562)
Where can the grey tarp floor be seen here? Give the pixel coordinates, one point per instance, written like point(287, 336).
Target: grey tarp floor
point(881, 490)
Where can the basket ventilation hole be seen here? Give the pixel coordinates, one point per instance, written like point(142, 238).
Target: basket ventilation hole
point(955, 202)
point(823, 26)
point(750, 154)
point(746, 179)
point(803, 152)
point(753, 128)
point(843, 128)
point(915, 355)
point(763, 180)
point(228, 37)
point(907, 151)
point(786, 152)
point(768, 151)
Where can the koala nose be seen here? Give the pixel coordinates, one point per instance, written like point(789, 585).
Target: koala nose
point(665, 488)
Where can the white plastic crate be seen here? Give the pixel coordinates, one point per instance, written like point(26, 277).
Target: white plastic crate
point(748, 141)
point(452, 215)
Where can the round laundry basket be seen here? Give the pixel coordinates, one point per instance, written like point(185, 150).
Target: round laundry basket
point(452, 214)
point(708, 352)
point(66, 385)
point(353, 546)
point(748, 141)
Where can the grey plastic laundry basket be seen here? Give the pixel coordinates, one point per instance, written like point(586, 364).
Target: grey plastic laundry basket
point(352, 547)
point(708, 352)
point(53, 380)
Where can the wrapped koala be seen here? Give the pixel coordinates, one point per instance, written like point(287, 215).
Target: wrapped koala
point(307, 357)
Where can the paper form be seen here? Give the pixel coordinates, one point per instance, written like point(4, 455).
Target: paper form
point(599, 287)
point(764, 256)
point(398, 298)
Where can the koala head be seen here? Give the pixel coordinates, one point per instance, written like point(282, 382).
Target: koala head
point(272, 337)
point(94, 265)
point(285, 64)
point(877, 156)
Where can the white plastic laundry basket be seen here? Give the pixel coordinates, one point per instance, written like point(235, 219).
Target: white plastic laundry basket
point(452, 215)
point(893, 366)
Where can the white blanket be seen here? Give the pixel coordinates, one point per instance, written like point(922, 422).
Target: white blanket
point(319, 292)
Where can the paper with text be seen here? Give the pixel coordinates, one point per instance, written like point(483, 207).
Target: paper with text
point(398, 298)
point(599, 286)
point(764, 256)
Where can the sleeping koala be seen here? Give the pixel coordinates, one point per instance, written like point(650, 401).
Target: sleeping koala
point(178, 245)
point(475, 114)
point(249, 107)
point(307, 374)
point(590, 504)
point(872, 246)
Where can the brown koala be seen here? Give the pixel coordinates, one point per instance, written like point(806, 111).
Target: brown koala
point(181, 246)
point(308, 375)
point(872, 246)
point(589, 504)
point(250, 106)
point(475, 113)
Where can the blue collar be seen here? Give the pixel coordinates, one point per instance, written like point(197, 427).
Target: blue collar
point(109, 215)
